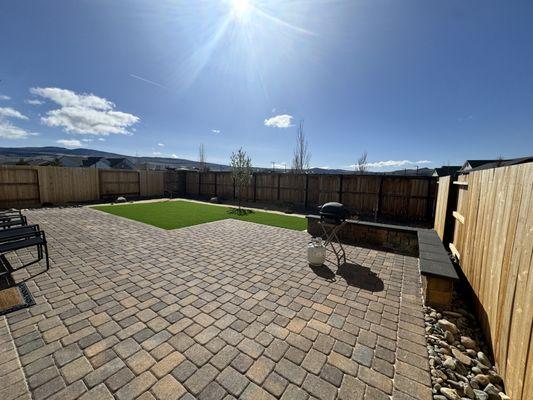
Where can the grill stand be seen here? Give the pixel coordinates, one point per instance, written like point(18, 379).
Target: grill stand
point(332, 239)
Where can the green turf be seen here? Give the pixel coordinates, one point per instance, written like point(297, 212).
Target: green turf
point(179, 214)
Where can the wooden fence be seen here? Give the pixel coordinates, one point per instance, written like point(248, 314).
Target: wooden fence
point(493, 241)
point(401, 198)
point(27, 186)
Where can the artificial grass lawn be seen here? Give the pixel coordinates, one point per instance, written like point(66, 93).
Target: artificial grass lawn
point(179, 214)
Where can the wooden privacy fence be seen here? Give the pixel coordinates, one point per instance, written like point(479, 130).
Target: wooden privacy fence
point(493, 242)
point(407, 198)
point(26, 186)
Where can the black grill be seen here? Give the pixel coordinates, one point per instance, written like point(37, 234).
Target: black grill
point(333, 213)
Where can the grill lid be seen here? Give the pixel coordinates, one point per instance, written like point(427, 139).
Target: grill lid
point(334, 212)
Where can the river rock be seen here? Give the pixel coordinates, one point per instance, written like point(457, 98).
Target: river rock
point(483, 380)
point(462, 357)
point(468, 391)
point(483, 359)
point(481, 395)
point(450, 394)
point(492, 391)
point(448, 336)
point(469, 343)
point(495, 378)
point(446, 325)
point(450, 363)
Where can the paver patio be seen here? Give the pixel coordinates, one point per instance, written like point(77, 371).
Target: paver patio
point(223, 310)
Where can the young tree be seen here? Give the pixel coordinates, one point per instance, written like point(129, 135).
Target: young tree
point(302, 156)
point(241, 169)
point(56, 162)
point(361, 165)
point(202, 166)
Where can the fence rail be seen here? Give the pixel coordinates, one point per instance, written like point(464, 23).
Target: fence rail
point(400, 198)
point(493, 241)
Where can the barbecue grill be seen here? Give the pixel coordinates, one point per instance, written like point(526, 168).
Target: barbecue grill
point(332, 219)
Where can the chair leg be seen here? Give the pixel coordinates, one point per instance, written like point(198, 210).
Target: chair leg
point(47, 257)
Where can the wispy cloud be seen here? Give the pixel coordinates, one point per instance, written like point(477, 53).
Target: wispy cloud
point(215, 130)
point(279, 121)
point(161, 144)
point(101, 139)
point(7, 129)
point(69, 142)
point(156, 153)
point(4, 97)
point(86, 140)
point(174, 156)
point(84, 113)
point(34, 102)
point(8, 112)
point(140, 78)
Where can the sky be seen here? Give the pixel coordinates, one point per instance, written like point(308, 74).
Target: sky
point(412, 83)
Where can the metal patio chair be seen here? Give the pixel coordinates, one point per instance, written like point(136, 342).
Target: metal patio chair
point(23, 237)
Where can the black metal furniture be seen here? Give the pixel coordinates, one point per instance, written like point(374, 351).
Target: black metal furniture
point(12, 220)
point(332, 218)
point(23, 237)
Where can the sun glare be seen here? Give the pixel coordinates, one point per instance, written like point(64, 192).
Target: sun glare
point(240, 8)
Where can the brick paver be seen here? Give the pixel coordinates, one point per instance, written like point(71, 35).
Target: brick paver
point(211, 311)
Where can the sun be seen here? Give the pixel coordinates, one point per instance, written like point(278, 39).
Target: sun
point(241, 8)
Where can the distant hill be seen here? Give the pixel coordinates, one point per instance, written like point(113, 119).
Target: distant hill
point(52, 152)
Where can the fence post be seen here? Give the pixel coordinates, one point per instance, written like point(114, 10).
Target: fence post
point(380, 198)
point(215, 183)
point(254, 178)
point(306, 190)
point(340, 188)
point(279, 179)
point(199, 182)
point(428, 200)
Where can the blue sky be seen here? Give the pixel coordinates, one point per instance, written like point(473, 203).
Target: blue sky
point(407, 81)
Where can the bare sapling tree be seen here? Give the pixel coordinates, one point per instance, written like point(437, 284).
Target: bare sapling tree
point(302, 156)
point(362, 165)
point(241, 169)
point(202, 165)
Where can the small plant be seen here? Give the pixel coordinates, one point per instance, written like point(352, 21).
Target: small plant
point(241, 169)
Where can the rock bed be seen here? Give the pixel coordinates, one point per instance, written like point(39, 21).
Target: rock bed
point(460, 367)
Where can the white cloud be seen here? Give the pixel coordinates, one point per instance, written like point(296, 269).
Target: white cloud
point(174, 156)
point(215, 130)
point(86, 140)
point(392, 164)
point(84, 113)
point(7, 129)
point(279, 121)
point(34, 102)
point(156, 153)
point(69, 142)
point(10, 131)
point(101, 139)
point(161, 144)
point(4, 97)
point(8, 112)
